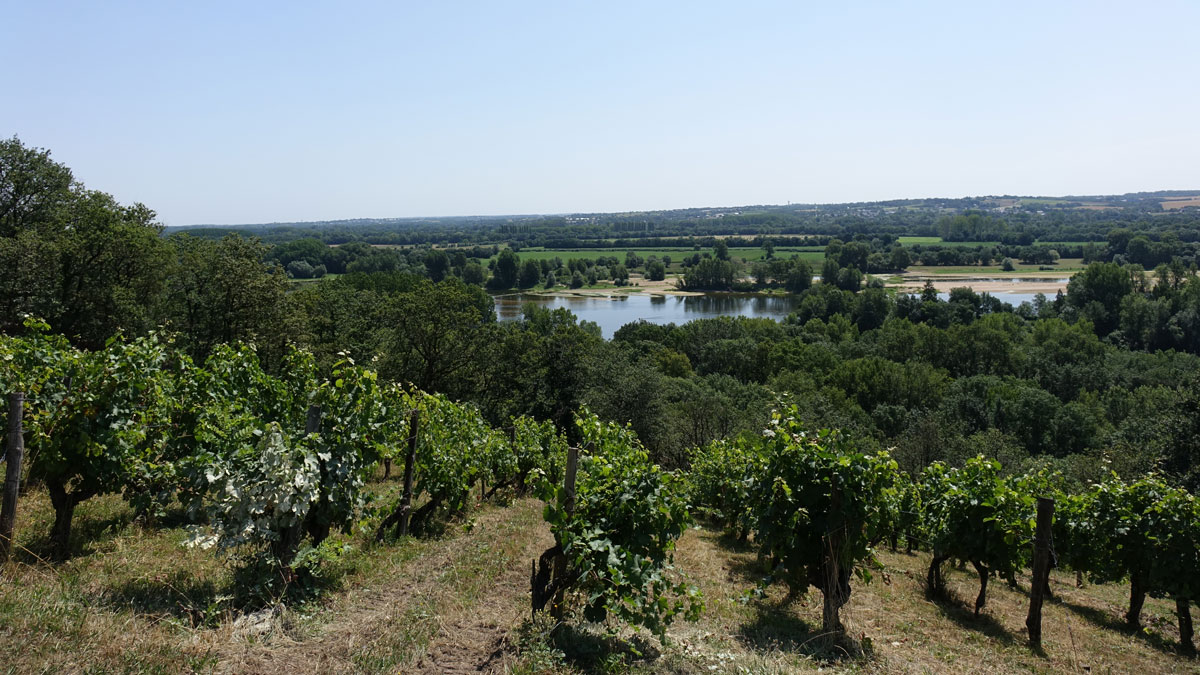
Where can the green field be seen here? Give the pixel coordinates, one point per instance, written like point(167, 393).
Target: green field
point(937, 241)
point(747, 253)
point(1065, 265)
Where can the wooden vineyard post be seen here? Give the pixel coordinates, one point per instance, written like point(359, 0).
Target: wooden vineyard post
point(409, 461)
point(1041, 569)
point(560, 562)
point(512, 449)
point(312, 423)
point(12, 475)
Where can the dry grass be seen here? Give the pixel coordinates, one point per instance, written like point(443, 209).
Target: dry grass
point(133, 600)
point(1181, 203)
point(445, 609)
point(902, 632)
point(126, 601)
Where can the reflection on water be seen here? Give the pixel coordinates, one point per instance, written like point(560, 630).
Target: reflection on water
point(1013, 299)
point(610, 313)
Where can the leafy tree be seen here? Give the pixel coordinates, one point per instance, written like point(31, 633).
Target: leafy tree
point(710, 274)
point(507, 266)
point(799, 276)
point(433, 333)
point(899, 258)
point(849, 279)
point(531, 274)
point(656, 270)
point(33, 187)
point(437, 264)
point(721, 249)
point(300, 269)
point(75, 257)
point(1097, 292)
point(222, 291)
point(473, 273)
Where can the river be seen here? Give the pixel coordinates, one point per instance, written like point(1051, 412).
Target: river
point(612, 312)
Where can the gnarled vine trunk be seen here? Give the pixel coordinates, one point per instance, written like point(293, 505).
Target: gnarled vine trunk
point(286, 545)
point(1184, 611)
point(1137, 598)
point(935, 585)
point(981, 599)
point(835, 587)
point(64, 504)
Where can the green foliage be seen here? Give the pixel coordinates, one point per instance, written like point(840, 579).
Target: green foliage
point(535, 451)
point(723, 475)
point(453, 444)
point(262, 492)
point(656, 270)
point(75, 257)
point(1121, 529)
point(620, 537)
point(505, 273)
point(223, 292)
point(94, 417)
point(818, 503)
point(975, 515)
point(710, 274)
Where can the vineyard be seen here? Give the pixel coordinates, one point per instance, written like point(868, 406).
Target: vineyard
point(297, 484)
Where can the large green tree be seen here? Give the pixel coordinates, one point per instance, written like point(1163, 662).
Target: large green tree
point(223, 291)
point(434, 332)
point(73, 256)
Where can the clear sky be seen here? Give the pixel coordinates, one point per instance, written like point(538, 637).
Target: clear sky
point(245, 112)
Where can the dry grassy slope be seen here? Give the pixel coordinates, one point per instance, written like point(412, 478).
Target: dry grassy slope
point(458, 604)
point(128, 600)
point(446, 610)
point(1082, 628)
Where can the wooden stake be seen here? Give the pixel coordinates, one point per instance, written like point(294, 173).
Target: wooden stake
point(312, 424)
point(409, 461)
point(1042, 541)
point(12, 474)
point(560, 562)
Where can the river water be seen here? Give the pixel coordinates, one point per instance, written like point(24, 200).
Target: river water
point(612, 312)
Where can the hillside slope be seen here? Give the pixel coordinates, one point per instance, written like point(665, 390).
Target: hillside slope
point(135, 601)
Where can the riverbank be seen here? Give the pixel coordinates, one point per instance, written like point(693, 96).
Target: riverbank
point(1019, 282)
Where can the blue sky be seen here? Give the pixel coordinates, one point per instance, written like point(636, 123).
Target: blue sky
point(222, 112)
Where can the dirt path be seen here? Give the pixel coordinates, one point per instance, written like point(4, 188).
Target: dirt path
point(448, 609)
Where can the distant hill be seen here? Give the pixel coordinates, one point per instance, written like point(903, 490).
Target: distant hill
point(1144, 201)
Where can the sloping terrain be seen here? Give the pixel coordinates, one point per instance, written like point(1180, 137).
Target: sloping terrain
point(133, 600)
